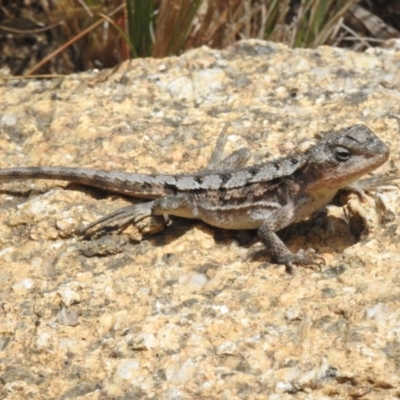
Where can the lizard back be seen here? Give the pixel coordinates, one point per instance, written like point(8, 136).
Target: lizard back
point(151, 186)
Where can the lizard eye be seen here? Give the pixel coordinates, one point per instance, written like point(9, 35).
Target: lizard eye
point(342, 154)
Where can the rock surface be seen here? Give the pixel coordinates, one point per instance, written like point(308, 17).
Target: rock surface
point(191, 312)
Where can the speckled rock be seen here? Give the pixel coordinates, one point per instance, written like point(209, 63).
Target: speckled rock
point(194, 312)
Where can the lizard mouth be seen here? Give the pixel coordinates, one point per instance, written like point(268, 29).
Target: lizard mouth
point(334, 177)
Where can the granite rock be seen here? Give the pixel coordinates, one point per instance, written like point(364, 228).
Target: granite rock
point(191, 312)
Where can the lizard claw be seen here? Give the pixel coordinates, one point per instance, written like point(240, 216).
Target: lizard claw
point(306, 258)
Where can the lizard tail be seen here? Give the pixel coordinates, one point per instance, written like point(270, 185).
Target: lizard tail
point(130, 184)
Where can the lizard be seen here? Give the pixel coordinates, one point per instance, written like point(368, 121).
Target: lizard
point(228, 194)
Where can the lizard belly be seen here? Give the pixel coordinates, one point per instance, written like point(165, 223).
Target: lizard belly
point(242, 218)
point(278, 216)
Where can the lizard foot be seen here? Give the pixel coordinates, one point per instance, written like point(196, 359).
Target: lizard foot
point(306, 258)
point(121, 217)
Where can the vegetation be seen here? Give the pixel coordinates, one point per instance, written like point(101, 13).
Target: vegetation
point(64, 36)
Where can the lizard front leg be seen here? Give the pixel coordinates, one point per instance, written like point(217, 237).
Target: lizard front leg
point(282, 255)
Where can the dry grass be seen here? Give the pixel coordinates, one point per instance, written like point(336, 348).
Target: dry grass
point(64, 36)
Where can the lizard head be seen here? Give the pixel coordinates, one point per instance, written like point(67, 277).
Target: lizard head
point(342, 157)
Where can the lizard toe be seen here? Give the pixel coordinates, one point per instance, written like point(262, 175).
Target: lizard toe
point(306, 258)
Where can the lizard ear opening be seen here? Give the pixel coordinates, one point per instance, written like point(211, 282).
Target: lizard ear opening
point(342, 154)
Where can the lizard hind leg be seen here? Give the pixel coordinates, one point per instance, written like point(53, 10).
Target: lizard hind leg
point(237, 159)
point(121, 217)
